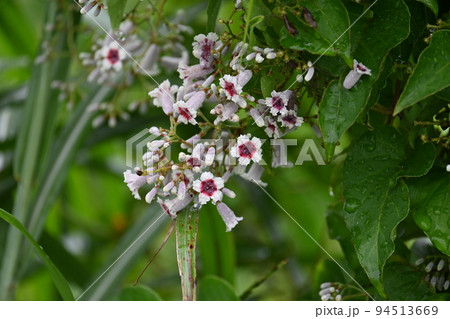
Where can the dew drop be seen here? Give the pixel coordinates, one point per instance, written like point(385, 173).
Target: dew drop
point(351, 205)
point(424, 222)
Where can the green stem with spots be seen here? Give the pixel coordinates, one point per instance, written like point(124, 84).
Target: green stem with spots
point(186, 233)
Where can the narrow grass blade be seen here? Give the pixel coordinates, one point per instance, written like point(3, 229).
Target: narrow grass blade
point(58, 279)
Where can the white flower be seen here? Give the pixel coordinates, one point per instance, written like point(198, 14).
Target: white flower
point(232, 86)
point(247, 150)
point(239, 50)
point(112, 56)
point(271, 129)
point(290, 119)
point(203, 47)
point(228, 216)
point(185, 114)
point(209, 156)
point(187, 111)
point(163, 96)
point(91, 4)
point(355, 74)
point(208, 188)
point(193, 72)
point(150, 195)
point(148, 62)
point(448, 168)
point(257, 115)
point(173, 206)
point(134, 182)
point(310, 72)
point(225, 112)
point(278, 102)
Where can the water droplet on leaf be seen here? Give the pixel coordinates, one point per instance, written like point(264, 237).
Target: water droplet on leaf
point(352, 205)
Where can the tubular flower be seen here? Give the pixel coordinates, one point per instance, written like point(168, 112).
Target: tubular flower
point(355, 74)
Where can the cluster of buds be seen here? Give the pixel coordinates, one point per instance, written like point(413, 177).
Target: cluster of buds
point(437, 271)
point(331, 291)
point(260, 54)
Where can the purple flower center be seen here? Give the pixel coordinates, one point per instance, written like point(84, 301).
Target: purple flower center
point(247, 150)
point(184, 112)
point(208, 187)
point(290, 118)
point(361, 67)
point(113, 56)
point(183, 179)
point(229, 87)
point(206, 50)
point(277, 102)
point(193, 161)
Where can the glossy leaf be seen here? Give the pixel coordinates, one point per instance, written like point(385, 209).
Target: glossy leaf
point(116, 9)
point(431, 74)
point(404, 283)
point(376, 202)
point(212, 11)
point(58, 279)
point(212, 288)
point(332, 35)
point(139, 294)
point(432, 4)
point(339, 107)
point(431, 207)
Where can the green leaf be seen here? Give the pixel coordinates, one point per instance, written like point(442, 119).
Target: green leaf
point(432, 4)
point(339, 107)
point(139, 294)
point(212, 288)
point(375, 201)
point(332, 35)
point(432, 72)
point(337, 229)
point(212, 11)
point(405, 283)
point(115, 10)
point(186, 232)
point(431, 207)
point(58, 279)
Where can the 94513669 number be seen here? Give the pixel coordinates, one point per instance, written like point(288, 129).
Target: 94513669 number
point(407, 310)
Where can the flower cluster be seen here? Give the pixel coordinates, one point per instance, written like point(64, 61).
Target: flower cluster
point(437, 271)
point(330, 291)
point(199, 174)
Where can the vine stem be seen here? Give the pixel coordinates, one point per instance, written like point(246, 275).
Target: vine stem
point(186, 227)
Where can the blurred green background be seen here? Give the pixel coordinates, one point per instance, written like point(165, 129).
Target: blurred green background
point(92, 217)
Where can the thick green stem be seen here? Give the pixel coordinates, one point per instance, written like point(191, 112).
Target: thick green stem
point(186, 232)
